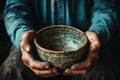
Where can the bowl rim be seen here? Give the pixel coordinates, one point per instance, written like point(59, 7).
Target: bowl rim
point(57, 26)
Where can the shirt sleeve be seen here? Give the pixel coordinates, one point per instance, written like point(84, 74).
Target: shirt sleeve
point(17, 19)
point(103, 19)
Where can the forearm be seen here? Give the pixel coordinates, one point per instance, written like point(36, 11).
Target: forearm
point(104, 19)
point(17, 21)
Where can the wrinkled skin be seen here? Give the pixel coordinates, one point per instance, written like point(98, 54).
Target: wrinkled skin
point(43, 69)
point(39, 68)
point(92, 58)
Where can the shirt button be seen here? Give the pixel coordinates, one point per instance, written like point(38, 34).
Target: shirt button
point(60, 12)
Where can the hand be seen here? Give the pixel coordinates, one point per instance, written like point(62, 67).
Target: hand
point(82, 68)
point(39, 68)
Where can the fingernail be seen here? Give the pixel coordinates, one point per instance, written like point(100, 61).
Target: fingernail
point(27, 49)
point(54, 71)
point(68, 71)
point(47, 67)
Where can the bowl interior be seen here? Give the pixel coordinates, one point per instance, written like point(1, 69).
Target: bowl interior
point(60, 38)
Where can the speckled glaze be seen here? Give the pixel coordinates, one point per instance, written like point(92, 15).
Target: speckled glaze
point(61, 45)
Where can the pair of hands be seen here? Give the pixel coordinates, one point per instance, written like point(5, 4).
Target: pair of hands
point(43, 68)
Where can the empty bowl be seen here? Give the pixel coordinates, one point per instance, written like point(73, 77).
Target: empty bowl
point(61, 45)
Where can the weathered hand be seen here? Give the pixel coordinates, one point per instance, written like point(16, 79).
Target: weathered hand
point(39, 68)
point(92, 58)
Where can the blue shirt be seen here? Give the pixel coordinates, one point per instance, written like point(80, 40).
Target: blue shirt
point(88, 15)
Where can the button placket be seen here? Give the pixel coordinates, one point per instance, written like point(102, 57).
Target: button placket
point(60, 12)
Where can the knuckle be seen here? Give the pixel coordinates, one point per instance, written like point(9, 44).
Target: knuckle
point(37, 73)
point(88, 64)
point(84, 72)
point(32, 65)
point(23, 58)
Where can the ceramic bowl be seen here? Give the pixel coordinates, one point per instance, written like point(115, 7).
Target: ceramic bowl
point(61, 45)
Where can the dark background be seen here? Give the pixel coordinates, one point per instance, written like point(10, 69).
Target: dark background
point(4, 39)
point(114, 43)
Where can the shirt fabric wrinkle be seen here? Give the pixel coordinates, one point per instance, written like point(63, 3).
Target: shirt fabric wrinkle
point(64, 12)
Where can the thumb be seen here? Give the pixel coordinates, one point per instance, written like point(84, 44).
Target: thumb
point(94, 40)
point(27, 40)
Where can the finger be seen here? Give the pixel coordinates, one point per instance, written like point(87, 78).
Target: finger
point(45, 73)
point(82, 66)
point(28, 36)
point(25, 47)
point(27, 40)
point(94, 48)
point(95, 57)
point(91, 60)
point(75, 72)
point(94, 40)
point(39, 65)
point(54, 73)
point(28, 49)
point(27, 56)
point(34, 63)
